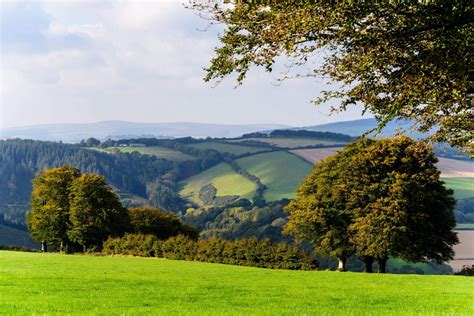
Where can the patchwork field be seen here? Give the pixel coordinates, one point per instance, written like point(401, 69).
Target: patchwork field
point(224, 179)
point(453, 168)
point(157, 151)
point(316, 154)
point(229, 148)
point(463, 187)
point(464, 250)
point(34, 283)
point(296, 142)
point(280, 171)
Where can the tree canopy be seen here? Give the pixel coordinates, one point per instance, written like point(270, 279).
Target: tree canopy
point(400, 59)
point(376, 199)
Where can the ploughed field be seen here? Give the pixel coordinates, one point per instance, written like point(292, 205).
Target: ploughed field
point(34, 283)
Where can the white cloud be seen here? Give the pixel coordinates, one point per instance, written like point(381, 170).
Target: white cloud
point(74, 61)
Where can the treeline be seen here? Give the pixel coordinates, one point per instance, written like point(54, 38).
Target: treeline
point(312, 134)
point(245, 252)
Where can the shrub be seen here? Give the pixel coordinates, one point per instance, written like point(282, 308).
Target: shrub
point(466, 271)
point(133, 245)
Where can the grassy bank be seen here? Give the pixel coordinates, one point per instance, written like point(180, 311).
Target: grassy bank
point(51, 283)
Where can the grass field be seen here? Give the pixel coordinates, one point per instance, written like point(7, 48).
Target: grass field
point(226, 181)
point(160, 152)
point(280, 171)
point(33, 283)
point(293, 142)
point(15, 237)
point(463, 187)
point(229, 148)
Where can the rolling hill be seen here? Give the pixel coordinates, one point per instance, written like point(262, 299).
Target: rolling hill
point(223, 178)
point(229, 148)
point(72, 133)
point(159, 152)
point(280, 171)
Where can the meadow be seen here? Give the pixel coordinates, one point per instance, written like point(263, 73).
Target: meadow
point(288, 142)
point(463, 187)
point(224, 179)
point(35, 283)
point(229, 148)
point(280, 171)
point(160, 152)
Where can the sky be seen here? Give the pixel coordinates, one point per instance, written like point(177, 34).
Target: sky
point(90, 61)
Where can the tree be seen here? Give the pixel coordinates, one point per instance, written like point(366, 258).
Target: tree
point(48, 220)
point(148, 220)
point(387, 200)
point(400, 59)
point(96, 212)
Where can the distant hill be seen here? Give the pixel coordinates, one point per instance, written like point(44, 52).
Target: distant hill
point(359, 127)
point(71, 133)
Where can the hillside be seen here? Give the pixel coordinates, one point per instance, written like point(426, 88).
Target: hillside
point(223, 178)
point(120, 129)
point(42, 283)
point(280, 171)
point(15, 237)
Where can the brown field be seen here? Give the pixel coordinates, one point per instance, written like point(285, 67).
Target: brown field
point(450, 168)
point(315, 155)
point(464, 250)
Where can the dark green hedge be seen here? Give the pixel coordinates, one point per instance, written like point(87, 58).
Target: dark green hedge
point(245, 252)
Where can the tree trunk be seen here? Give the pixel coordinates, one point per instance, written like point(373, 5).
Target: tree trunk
point(44, 246)
point(342, 264)
point(84, 248)
point(382, 264)
point(61, 247)
point(368, 260)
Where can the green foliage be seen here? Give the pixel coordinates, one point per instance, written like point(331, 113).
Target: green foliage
point(49, 219)
point(466, 271)
point(378, 199)
point(400, 59)
point(152, 221)
point(246, 252)
point(95, 211)
point(132, 245)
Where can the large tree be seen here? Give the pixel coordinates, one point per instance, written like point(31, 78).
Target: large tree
point(400, 59)
point(48, 220)
point(376, 199)
point(95, 211)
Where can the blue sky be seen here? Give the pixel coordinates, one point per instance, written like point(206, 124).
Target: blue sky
point(88, 61)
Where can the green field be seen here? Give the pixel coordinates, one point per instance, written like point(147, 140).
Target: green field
point(463, 187)
point(280, 171)
point(15, 237)
point(229, 148)
point(224, 179)
point(160, 152)
point(34, 283)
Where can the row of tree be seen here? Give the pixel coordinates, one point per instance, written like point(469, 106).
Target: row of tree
point(246, 252)
point(69, 208)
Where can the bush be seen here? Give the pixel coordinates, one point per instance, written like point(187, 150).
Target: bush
point(466, 271)
point(132, 244)
point(245, 252)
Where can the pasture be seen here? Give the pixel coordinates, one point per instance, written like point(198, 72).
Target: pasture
point(35, 283)
point(280, 171)
point(229, 148)
point(224, 179)
point(463, 187)
point(160, 152)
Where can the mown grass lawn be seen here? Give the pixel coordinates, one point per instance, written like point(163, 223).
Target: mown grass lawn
point(33, 283)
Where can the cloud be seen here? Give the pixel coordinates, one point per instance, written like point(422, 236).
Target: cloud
point(83, 61)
